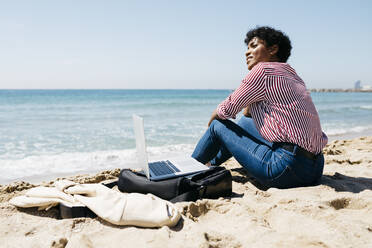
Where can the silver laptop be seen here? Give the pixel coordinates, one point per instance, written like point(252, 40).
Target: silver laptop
point(161, 169)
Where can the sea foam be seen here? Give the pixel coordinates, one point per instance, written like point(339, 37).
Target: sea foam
point(68, 163)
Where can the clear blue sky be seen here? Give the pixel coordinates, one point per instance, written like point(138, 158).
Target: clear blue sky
point(176, 44)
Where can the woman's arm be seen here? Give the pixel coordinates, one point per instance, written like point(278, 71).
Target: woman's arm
point(252, 89)
point(247, 111)
point(214, 117)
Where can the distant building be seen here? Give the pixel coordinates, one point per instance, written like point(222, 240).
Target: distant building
point(357, 85)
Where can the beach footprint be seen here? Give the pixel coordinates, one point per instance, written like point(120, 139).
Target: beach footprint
point(347, 203)
point(195, 209)
point(218, 240)
point(61, 243)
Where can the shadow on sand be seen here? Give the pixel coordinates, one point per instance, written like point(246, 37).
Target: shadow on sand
point(343, 183)
point(338, 181)
point(245, 177)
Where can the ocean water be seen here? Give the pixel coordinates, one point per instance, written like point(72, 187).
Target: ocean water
point(55, 132)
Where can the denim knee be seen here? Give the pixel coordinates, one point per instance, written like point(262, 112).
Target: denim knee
point(214, 128)
point(215, 125)
point(218, 125)
point(208, 146)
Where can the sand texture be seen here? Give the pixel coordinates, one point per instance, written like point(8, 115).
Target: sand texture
point(336, 213)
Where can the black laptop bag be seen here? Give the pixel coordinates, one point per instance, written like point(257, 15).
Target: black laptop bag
point(212, 183)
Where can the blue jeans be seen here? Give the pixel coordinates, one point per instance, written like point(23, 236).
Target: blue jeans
point(267, 162)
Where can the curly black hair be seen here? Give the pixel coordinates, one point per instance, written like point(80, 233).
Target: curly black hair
point(272, 37)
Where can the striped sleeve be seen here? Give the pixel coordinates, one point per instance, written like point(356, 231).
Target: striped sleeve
point(252, 89)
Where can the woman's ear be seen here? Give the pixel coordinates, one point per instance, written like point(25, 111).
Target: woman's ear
point(273, 50)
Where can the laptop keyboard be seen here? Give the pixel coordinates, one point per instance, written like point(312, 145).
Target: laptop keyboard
point(163, 168)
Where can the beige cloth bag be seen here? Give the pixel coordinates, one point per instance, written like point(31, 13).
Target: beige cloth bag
point(45, 197)
point(113, 206)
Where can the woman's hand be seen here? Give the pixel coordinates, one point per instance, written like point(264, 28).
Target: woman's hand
point(247, 112)
point(213, 117)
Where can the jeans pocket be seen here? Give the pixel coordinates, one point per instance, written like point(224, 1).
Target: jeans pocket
point(285, 152)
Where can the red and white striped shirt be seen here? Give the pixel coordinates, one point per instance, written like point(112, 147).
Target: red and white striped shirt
point(280, 106)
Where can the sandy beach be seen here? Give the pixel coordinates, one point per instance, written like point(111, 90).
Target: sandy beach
point(335, 213)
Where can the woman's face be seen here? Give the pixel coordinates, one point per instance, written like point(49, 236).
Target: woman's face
point(258, 52)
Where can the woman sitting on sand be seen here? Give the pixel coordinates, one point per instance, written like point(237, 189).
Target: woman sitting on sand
point(279, 139)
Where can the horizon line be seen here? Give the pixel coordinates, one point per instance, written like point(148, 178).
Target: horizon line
point(112, 89)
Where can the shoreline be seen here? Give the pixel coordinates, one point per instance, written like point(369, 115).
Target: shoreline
point(340, 90)
point(349, 136)
point(39, 179)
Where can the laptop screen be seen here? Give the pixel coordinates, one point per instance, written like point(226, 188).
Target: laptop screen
point(139, 133)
